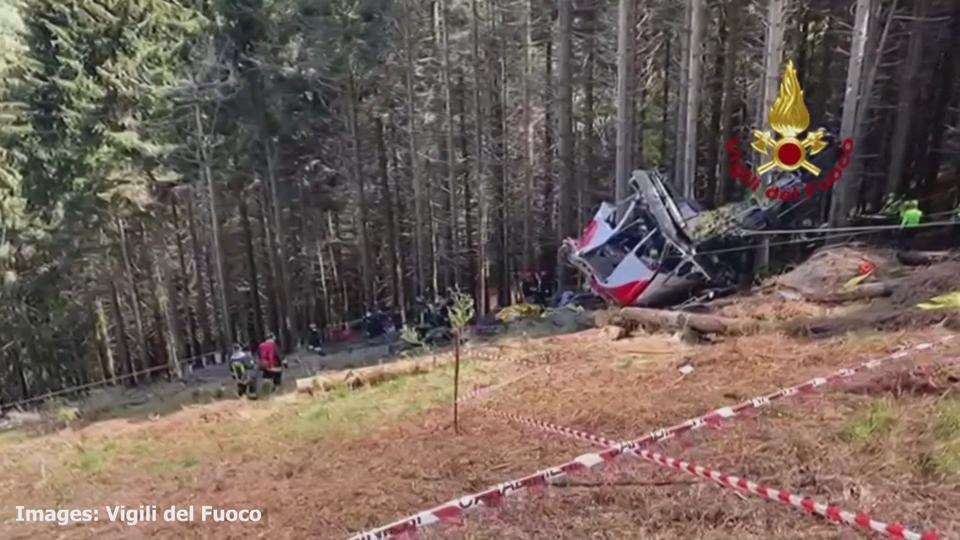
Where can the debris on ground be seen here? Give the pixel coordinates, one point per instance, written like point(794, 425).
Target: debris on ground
point(944, 301)
point(518, 311)
point(925, 282)
point(538, 322)
point(614, 332)
point(827, 270)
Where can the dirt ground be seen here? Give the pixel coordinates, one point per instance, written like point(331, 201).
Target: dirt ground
point(886, 442)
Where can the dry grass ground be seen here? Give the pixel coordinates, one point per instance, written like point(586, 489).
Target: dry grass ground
point(329, 465)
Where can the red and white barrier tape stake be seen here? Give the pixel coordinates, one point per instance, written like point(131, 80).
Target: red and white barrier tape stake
point(452, 511)
point(829, 511)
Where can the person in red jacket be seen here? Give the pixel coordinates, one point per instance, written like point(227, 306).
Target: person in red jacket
point(270, 362)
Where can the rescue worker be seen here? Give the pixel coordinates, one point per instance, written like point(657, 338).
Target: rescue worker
point(271, 364)
point(243, 371)
point(420, 311)
point(544, 288)
point(374, 323)
point(528, 285)
point(909, 220)
point(315, 341)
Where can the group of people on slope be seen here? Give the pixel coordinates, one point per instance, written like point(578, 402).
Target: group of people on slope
point(377, 322)
point(248, 372)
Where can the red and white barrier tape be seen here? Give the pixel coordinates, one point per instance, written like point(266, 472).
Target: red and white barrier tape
point(451, 511)
point(829, 511)
point(546, 426)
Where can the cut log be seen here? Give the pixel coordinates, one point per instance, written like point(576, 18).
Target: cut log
point(678, 320)
point(918, 258)
point(869, 290)
point(370, 376)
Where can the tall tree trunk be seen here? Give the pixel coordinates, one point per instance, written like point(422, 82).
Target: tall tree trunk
point(772, 59)
point(270, 275)
point(641, 75)
point(625, 87)
point(548, 247)
point(306, 290)
point(454, 211)
point(478, 172)
point(683, 90)
point(821, 92)
point(420, 211)
point(590, 120)
point(339, 277)
point(436, 251)
point(803, 46)
point(467, 189)
point(871, 66)
point(906, 96)
point(693, 98)
point(324, 289)
point(206, 334)
point(665, 109)
point(392, 225)
point(716, 110)
point(399, 212)
point(258, 333)
point(286, 328)
point(203, 160)
point(122, 341)
point(529, 148)
point(360, 182)
point(193, 344)
point(731, 48)
point(947, 70)
point(107, 364)
point(161, 292)
point(845, 191)
point(218, 321)
point(498, 135)
point(565, 118)
point(134, 295)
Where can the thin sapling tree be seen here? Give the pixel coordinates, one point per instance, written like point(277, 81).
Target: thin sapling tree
point(461, 312)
